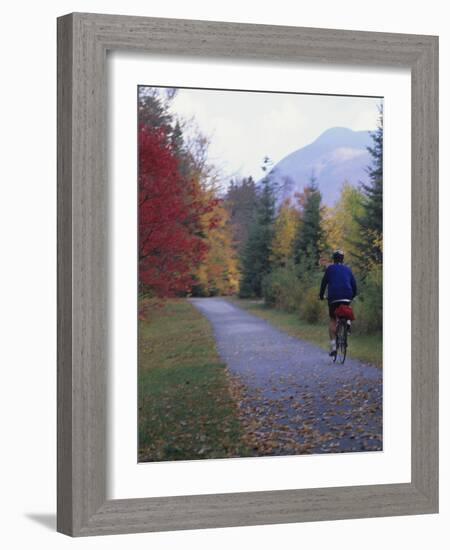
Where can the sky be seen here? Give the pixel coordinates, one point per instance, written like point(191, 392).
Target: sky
point(244, 127)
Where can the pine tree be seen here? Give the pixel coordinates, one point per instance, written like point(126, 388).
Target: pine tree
point(257, 251)
point(176, 138)
point(241, 202)
point(370, 247)
point(307, 245)
point(153, 110)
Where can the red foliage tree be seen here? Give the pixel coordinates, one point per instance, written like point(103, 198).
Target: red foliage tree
point(170, 211)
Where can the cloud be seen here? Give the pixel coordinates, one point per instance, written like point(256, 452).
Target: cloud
point(346, 153)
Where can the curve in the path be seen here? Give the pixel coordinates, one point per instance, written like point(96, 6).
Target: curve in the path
point(293, 397)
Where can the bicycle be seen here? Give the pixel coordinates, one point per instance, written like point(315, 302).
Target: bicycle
point(341, 340)
point(344, 316)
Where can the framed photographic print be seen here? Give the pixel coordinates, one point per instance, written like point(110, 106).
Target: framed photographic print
point(247, 334)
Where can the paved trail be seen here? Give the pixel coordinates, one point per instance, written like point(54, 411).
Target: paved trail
point(293, 397)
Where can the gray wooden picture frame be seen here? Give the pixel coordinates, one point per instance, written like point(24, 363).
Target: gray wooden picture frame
point(83, 41)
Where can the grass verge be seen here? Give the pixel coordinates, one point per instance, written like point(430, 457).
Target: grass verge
point(186, 410)
point(367, 348)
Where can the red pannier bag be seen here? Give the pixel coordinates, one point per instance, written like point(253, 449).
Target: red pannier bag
point(345, 311)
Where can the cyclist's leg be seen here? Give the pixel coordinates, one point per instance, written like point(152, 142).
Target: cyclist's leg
point(332, 328)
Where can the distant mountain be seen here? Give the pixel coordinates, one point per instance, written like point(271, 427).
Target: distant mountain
point(337, 155)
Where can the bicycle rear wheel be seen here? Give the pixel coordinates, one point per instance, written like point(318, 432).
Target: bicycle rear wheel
point(341, 341)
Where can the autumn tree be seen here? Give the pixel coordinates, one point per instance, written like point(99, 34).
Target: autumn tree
point(285, 230)
point(340, 222)
point(184, 231)
point(218, 273)
point(170, 210)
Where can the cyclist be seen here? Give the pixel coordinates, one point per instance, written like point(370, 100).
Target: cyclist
point(341, 290)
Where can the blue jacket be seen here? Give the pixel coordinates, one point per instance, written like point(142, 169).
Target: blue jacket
point(340, 281)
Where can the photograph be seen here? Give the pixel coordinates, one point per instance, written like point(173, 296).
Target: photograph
point(260, 273)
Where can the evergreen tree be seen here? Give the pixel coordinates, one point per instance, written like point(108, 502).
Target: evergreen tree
point(307, 245)
point(369, 249)
point(241, 202)
point(153, 109)
point(176, 138)
point(257, 251)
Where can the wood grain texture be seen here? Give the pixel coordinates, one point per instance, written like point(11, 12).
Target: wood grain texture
point(425, 275)
point(83, 40)
point(64, 330)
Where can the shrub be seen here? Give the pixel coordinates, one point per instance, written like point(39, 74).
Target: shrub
point(245, 289)
point(369, 305)
point(282, 289)
point(295, 289)
point(310, 306)
point(289, 290)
